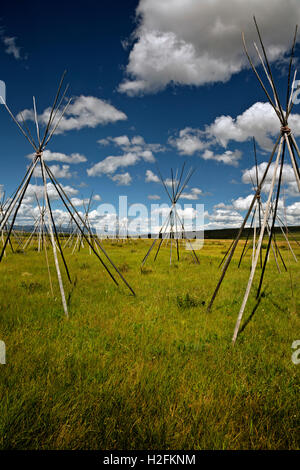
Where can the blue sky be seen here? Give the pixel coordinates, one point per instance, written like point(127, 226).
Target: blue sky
point(152, 83)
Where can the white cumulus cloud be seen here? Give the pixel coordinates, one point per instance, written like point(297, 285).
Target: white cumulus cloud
point(11, 47)
point(288, 177)
point(193, 42)
point(84, 111)
point(122, 179)
point(151, 177)
point(192, 195)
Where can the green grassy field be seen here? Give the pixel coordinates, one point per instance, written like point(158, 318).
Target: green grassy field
point(155, 371)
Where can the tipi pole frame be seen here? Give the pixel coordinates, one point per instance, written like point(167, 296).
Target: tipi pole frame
point(248, 288)
point(248, 236)
point(274, 214)
point(177, 189)
point(228, 250)
point(259, 196)
point(157, 238)
point(162, 237)
point(17, 195)
point(18, 202)
point(62, 194)
point(231, 252)
point(185, 237)
point(288, 242)
point(56, 235)
point(35, 228)
point(293, 160)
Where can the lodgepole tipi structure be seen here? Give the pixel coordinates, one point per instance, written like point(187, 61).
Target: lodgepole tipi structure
point(56, 114)
point(39, 231)
point(255, 227)
point(285, 147)
point(172, 230)
point(5, 228)
point(76, 236)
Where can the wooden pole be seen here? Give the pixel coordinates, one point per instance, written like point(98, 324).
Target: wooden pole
point(61, 287)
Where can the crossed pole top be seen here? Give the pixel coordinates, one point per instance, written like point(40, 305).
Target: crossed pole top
point(284, 139)
point(87, 207)
point(275, 101)
point(56, 114)
point(177, 187)
point(285, 136)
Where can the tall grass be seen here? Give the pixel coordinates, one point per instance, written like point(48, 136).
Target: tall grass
point(153, 371)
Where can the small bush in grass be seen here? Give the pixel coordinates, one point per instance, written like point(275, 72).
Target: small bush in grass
point(31, 287)
point(146, 270)
point(187, 301)
point(190, 259)
point(84, 266)
point(124, 268)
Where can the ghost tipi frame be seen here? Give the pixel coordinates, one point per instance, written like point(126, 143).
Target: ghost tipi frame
point(55, 116)
point(173, 224)
point(259, 212)
point(76, 236)
point(255, 225)
point(285, 141)
point(5, 227)
point(39, 228)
